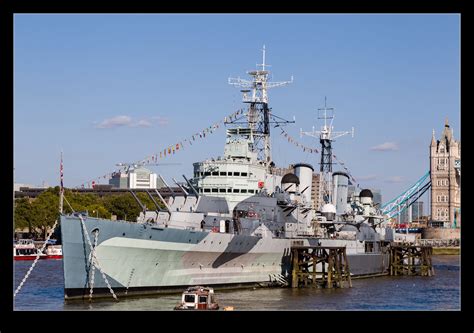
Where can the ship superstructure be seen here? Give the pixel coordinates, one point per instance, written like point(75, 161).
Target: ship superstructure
point(234, 225)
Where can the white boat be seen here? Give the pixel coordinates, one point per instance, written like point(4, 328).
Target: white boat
point(25, 249)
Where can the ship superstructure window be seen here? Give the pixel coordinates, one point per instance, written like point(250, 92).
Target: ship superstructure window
point(223, 173)
point(215, 173)
point(236, 173)
point(243, 191)
point(207, 190)
point(251, 191)
point(236, 190)
point(207, 173)
point(222, 190)
point(244, 174)
point(214, 190)
point(189, 298)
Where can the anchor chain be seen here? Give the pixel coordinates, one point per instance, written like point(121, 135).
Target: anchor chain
point(92, 271)
point(36, 260)
point(95, 261)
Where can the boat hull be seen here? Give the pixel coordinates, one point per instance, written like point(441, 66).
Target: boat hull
point(141, 259)
point(29, 257)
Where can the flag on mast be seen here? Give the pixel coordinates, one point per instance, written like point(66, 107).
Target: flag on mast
point(61, 189)
point(61, 172)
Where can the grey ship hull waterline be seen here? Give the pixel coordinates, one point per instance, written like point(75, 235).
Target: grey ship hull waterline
point(234, 226)
point(143, 259)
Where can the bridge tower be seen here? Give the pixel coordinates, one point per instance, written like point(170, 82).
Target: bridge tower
point(445, 171)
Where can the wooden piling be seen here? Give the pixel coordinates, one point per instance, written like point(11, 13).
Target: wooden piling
point(320, 266)
point(411, 260)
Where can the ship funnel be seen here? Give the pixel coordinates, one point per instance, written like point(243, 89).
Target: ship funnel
point(304, 172)
point(340, 187)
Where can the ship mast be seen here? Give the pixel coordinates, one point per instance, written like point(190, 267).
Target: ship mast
point(259, 114)
point(326, 135)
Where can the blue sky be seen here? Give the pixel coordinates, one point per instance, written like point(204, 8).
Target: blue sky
point(117, 88)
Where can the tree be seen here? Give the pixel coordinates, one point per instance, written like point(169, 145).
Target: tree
point(45, 210)
point(98, 210)
point(23, 213)
point(122, 206)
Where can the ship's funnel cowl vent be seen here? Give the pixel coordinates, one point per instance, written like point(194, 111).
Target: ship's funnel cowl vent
point(289, 182)
point(329, 211)
point(366, 197)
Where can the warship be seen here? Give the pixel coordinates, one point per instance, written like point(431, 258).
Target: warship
point(234, 225)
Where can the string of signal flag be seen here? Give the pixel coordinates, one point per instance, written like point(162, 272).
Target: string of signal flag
point(171, 149)
point(179, 146)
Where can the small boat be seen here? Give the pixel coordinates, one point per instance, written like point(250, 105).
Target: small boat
point(54, 252)
point(198, 298)
point(25, 249)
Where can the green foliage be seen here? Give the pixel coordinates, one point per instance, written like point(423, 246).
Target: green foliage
point(97, 210)
point(23, 213)
point(123, 206)
point(44, 210)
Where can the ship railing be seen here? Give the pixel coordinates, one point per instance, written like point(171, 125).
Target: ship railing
point(455, 242)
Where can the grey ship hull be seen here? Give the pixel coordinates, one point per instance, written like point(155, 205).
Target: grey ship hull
point(141, 259)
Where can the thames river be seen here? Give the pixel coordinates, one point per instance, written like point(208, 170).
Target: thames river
point(43, 291)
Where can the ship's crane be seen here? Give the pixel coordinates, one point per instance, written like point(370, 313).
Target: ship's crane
point(137, 165)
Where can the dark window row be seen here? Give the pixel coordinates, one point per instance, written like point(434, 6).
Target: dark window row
point(221, 173)
point(229, 190)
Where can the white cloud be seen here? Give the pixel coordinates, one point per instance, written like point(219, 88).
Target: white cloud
point(143, 123)
point(369, 177)
point(121, 121)
point(395, 179)
point(162, 121)
point(115, 122)
point(386, 146)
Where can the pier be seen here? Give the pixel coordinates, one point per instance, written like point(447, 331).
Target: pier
point(318, 266)
point(411, 260)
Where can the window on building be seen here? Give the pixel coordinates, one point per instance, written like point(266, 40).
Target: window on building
point(442, 150)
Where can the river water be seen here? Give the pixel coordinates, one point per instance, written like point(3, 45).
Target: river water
point(43, 291)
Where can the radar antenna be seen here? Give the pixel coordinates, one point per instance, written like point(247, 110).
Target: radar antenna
point(326, 135)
